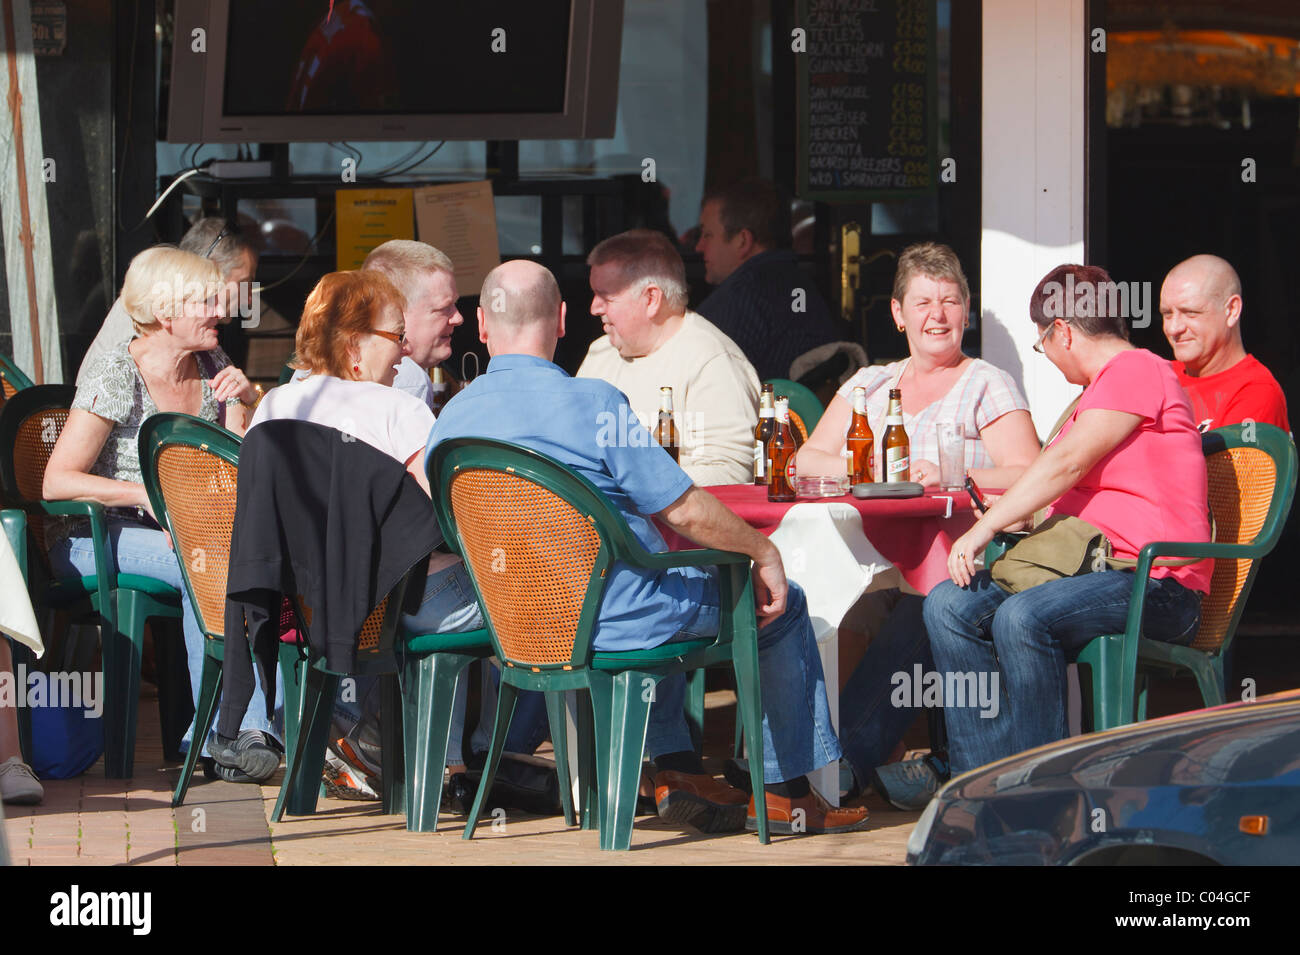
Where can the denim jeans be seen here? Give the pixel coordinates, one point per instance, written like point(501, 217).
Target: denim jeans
point(798, 736)
point(144, 551)
point(871, 725)
point(448, 606)
point(1027, 639)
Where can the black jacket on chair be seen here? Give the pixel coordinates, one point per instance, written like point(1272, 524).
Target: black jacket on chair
point(325, 516)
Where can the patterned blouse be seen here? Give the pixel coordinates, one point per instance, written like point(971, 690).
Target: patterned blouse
point(980, 396)
point(114, 389)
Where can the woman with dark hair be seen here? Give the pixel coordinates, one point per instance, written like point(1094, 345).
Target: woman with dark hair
point(1127, 460)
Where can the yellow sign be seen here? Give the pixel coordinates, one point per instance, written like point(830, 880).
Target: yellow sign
point(367, 218)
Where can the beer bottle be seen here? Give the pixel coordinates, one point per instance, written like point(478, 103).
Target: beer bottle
point(861, 443)
point(666, 430)
point(763, 436)
point(781, 487)
point(441, 392)
point(895, 446)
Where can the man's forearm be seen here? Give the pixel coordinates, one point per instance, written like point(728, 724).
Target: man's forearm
point(700, 517)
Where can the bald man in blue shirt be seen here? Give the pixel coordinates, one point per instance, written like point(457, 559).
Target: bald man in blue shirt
point(586, 425)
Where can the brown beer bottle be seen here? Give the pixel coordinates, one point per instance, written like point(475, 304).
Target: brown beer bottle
point(666, 430)
point(781, 487)
point(861, 443)
point(763, 436)
point(895, 447)
point(441, 392)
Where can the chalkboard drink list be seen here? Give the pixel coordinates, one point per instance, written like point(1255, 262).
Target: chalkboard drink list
point(867, 99)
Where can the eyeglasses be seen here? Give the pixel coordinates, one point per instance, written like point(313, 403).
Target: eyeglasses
point(394, 337)
point(225, 231)
point(1038, 345)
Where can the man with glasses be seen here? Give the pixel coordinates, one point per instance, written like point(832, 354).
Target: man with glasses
point(212, 238)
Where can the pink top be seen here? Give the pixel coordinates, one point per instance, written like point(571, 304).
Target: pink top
point(1153, 486)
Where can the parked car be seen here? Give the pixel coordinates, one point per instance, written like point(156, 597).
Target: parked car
point(1220, 785)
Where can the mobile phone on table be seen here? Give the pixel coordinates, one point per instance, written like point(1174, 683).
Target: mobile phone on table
point(974, 491)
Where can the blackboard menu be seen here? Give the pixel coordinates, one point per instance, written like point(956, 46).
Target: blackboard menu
point(867, 99)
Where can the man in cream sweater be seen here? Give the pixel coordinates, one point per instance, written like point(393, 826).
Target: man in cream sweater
point(638, 285)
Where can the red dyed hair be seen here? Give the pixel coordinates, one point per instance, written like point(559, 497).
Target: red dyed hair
point(342, 307)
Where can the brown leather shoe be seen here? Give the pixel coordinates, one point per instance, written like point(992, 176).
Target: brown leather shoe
point(708, 804)
point(808, 815)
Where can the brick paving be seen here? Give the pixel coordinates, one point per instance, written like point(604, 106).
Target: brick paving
point(91, 820)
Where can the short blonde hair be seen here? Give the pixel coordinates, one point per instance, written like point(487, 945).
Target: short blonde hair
point(933, 260)
point(405, 260)
point(162, 280)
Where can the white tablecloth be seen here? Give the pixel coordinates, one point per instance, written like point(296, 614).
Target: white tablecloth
point(16, 617)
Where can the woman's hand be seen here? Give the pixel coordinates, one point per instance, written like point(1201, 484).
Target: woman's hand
point(961, 559)
point(1014, 526)
point(230, 382)
point(925, 473)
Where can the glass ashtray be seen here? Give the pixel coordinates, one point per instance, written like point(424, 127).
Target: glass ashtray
point(817, 486)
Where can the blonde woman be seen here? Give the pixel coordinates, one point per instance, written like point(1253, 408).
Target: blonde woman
point(175, 300)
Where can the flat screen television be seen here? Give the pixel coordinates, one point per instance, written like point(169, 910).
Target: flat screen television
point(249, 71)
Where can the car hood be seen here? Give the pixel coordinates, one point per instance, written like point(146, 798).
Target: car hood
point(1236, 743)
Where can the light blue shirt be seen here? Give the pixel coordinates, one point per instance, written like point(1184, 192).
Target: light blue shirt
point(588, 426)
point(414, 380)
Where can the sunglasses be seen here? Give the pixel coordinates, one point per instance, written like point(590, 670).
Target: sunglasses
point(225, 231)
point(394, 337)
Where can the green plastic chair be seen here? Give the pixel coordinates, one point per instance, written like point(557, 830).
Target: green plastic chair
point(1252, 479)
point(14, 522)
point(12, 379)
point(802, 401)
point(538, 540)
point(1251, 487)
point(415, 718)
point(30, 425)
point(189, 467)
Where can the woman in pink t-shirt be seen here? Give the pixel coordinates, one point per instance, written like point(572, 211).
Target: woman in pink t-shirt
point(1128, 461)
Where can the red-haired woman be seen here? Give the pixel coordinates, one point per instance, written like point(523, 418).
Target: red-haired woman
point(350, 341)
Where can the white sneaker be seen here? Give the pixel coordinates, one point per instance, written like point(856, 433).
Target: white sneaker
point(18, 784)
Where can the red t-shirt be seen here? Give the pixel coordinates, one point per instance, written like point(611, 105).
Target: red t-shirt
point(1153, 486)
point(1246, 390)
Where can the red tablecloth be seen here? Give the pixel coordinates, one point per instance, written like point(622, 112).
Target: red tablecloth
point(911, 533)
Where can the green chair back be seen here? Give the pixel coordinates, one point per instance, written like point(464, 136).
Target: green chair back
point(802, 401)
point(12, 379)
point(1252, 480)
point(539, 541)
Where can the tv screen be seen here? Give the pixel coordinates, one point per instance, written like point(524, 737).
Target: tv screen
point(392, 70)
point(389, 57)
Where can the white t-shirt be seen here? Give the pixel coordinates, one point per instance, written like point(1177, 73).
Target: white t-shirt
point(384, 418)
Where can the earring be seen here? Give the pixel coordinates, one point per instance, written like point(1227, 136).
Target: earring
point(356, 368)
point(899, 327)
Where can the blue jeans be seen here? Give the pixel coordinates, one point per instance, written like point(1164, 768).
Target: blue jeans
point(448, 606)
point(144, 551)
point(798, 736)
point(871, 724)
point(1027, 639)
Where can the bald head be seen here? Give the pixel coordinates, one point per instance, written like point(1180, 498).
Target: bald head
point(520, 309)
point(1200, 310)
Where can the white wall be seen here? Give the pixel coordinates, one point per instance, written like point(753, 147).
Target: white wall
point(1033, 180)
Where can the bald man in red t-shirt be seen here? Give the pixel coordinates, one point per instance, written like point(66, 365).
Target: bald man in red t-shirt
point(1200, 306)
